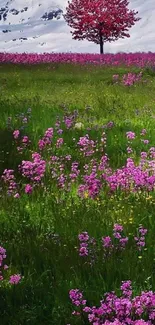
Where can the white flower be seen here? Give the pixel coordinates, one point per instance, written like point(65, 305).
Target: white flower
point(79, 126)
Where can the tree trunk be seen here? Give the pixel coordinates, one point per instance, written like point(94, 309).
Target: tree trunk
point(101, 44)
point(101, 48)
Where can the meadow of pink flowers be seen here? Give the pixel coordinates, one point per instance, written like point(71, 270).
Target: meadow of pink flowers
point(136, 59)
point(69, 170)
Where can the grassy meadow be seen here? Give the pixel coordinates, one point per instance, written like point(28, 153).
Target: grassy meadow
point(39, 227)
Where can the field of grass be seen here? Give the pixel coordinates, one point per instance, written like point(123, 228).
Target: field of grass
point(40, 220)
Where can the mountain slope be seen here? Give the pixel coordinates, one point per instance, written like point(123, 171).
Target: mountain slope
point(26, 22)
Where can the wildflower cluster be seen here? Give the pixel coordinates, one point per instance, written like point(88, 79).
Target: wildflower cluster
point(132, 178)
point(15, 278)
point(11, 185)
point(140, 239)
point(21, 121)
point(2, 258)
point(46, 140)
point(91, 171)
point(83, 238)
point(91, 186)
point(22, 142)
point(87, 146)
point(117, 233)
point(128, 79)
point(33, 170)
point(119, 310)
point(88, 247)
point(70, 120)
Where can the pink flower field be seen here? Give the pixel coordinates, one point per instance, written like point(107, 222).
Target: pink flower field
point(77, 189)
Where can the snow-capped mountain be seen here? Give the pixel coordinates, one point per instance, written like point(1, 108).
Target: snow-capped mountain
point(18, 12)
point(38, 26)
point(27, 20)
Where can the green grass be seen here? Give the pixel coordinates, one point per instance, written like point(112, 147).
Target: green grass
point(51, 268)
point(46, 87)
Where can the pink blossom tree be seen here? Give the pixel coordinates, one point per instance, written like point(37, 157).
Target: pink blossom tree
point(100, 21)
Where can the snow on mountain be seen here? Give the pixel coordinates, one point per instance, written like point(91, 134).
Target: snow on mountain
point(14, 12)
point(24, 21)
point(38, 26)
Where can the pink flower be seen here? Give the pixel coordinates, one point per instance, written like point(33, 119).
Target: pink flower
point(17, 196)
point(143, 154)
point(16, 134)
point(25, 139)
point(145, 141)
point(25, 120)
point(47, 139)
point(59, 142)
point(129, 150)
point(15, 279)
point(143, 132)
point(130, 135)
point(28, 189)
